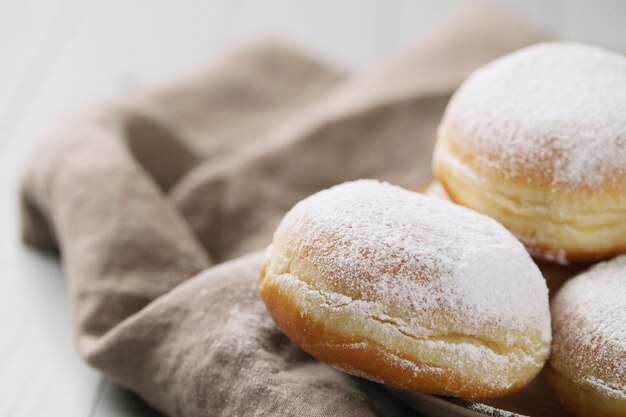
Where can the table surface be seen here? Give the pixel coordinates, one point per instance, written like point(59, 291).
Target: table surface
point(60, 54)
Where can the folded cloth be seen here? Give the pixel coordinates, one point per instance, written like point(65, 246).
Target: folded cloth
point(144, 198)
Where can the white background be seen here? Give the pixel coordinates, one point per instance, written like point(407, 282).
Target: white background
point(58, 54)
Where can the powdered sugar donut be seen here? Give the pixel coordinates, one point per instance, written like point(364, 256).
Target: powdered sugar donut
point(537, 140)
point(588, 363)
point(408, 290)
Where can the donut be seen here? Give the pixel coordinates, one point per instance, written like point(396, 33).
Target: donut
point(408, 290)
point(435, 189)
point(587, 368)
point(537, 140)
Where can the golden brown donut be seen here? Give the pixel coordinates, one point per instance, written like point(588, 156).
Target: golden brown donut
point(537, 140)
point(408, 290)
point(587, 368)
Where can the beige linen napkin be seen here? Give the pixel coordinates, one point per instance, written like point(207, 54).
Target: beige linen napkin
point(145, 197)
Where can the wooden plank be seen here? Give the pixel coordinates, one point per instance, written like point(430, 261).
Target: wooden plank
point(31, 37)
point(40, 372)
point(23, 25)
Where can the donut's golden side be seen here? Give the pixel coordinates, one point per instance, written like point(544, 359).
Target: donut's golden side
point(342, 350)
point(583, 400)
point(586, 368)
point(557, 223)
point(573, 365)
point(376, 347)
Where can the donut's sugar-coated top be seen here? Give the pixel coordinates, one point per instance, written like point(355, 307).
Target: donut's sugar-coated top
point(553, 111)
point(589, 316)
point(382, 243)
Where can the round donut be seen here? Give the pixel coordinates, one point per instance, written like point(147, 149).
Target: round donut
point(408, 290)
point(587, 368)
point(537, 140)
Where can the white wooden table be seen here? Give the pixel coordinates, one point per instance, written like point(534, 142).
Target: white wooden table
point(57, 54)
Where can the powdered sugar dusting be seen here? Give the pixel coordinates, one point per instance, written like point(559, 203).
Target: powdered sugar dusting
point(555, 108)
point(377, 244)
point(589, 316)
point(491, 411)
